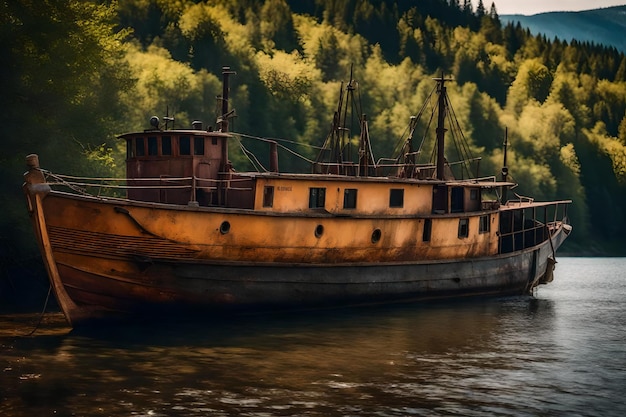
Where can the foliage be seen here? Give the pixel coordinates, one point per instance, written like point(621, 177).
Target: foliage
point(163, 85)
point(76, 73)
point(61, 75)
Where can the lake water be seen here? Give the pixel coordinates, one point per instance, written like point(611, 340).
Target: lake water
point(560, 353)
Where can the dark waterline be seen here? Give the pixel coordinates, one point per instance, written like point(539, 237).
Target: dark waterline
point(562, 352)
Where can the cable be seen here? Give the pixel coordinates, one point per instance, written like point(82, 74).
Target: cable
point(45, 306)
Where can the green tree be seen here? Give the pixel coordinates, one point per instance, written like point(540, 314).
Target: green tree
point(490, 25)
point(605, 196)
point(566, 90)
point(411, 40)
point(277, 25)
point(201, 27)
point(165, 85)
point(484, 118)
point(328, 56)
point(61, 75)
point(621, 131)
point(533, 82)
point(480, 9)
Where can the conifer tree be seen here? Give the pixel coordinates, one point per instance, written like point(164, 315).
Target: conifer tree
point(480, 9)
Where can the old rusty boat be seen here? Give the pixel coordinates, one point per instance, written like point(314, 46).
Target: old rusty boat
point(186, 233)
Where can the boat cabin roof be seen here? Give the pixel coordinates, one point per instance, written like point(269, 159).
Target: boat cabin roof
point(169, 132)
point(338, 177)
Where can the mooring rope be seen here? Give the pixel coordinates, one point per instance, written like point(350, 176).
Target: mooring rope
point(45, 307)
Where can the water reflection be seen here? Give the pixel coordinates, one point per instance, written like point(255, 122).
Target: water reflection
point(515, 356)
point(398, 358)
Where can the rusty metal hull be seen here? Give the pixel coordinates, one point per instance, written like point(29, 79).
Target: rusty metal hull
point(111, 259)
point(199, 285)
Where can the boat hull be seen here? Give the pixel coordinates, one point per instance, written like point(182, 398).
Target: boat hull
point(198, 285)
point(105, 262)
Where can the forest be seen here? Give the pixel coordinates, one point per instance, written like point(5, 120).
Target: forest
point(75, 74)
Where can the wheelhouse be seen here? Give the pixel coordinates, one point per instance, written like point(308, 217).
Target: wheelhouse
point(176, 166)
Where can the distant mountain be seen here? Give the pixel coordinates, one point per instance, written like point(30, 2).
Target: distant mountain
point(601, 26)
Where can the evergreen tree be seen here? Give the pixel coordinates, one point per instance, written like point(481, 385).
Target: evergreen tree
point(480, 9)
point(327, 56)
point(468, 8)
point(277, 25)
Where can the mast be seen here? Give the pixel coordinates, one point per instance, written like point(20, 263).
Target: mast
point(409, 155)
point(505, 169)
point(345, 142)
point(337, 143)
point(226, 114)
point(364, 148)
point(441, 130)
point(223, 122)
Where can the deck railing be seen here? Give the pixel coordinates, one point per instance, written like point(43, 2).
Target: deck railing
point(157, 189)
point(527, 225)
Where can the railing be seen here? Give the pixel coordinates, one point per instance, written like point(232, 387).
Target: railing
point(380, 169)
point(524, 226)
point(163, 189)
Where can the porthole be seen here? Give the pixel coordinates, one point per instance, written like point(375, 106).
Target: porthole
point(319, 231)
point(376, 234)
point(224, 227)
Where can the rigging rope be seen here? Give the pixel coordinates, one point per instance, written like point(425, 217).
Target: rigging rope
point(291, 151)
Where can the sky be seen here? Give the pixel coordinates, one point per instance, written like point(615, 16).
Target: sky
point(529, 7)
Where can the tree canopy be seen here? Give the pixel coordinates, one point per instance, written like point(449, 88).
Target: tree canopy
point(74, 74)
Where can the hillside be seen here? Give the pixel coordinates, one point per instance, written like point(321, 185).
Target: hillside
point(601, 26)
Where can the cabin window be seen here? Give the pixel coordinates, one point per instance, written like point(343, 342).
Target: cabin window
point(198, 146)
point(184, 145)
point(473, 194)
point(166, 145)
point(268, 196)
point(139, 147)
point(428, 227)
point(130, 152)
point(349, 198)
point(153, 146)
point(463, 228)
point(483, 224)
point(456, 200)
point(317, 197)
point(440, 199)
point(396, 198)
point(214, 140)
